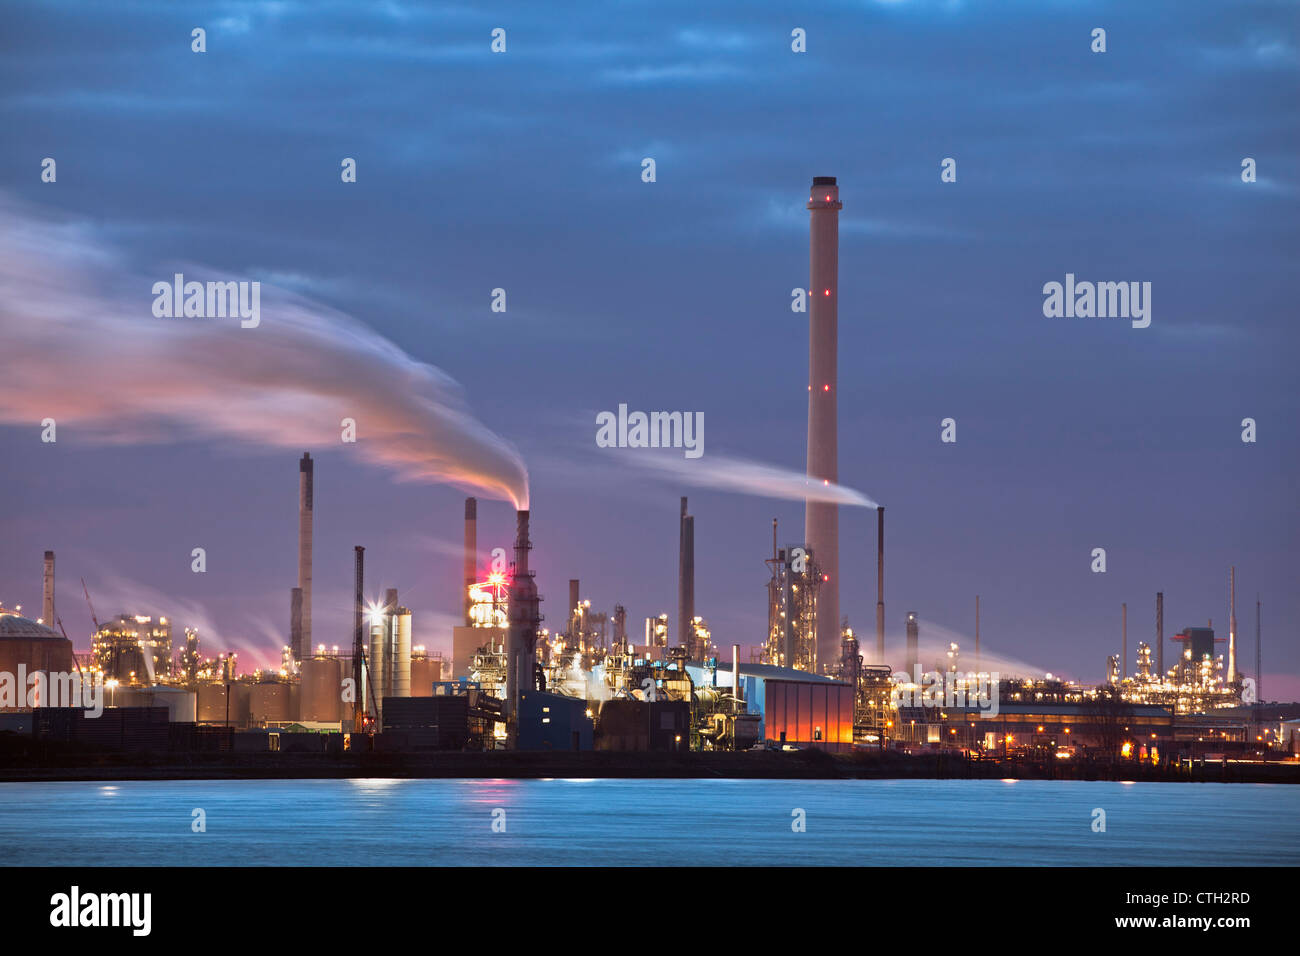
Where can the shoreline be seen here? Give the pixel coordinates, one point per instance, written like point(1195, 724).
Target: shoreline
point(804, 765)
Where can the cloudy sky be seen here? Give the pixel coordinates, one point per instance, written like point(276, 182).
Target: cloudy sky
point(522, 170)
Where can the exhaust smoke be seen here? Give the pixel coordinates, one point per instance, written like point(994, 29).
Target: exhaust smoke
point(74, 316)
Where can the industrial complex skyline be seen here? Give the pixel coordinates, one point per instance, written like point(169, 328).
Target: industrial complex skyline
point(1072, 434)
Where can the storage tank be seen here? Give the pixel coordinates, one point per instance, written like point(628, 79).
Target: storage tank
point(401, 663)
point(268, 703)
point(322, 689)
point(375, 688)
point(425, 672)
point(181, 704)
point(34, 646)
point(212, 704)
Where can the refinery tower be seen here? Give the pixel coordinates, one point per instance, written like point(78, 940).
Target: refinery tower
point(821, 520)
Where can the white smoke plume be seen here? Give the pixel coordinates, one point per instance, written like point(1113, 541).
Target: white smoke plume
point(932, 651)
point(751, 478)
point(83, 347)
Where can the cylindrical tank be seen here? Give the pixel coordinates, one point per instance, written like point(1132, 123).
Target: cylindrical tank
point(212, 703)
point(33, 646)
point(425, 672)
point(321, 694)
point(181, 704)
point(375, 660)
point(401, 676)
point(269, 703)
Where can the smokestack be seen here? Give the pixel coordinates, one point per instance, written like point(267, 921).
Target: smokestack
point(522, 544)
point(1123, 654)
point(620, 628)
point(295, 625)
point(686, 581)
point(574, 591)
point(47, 590)
point(880, 585)
point(524, 617)
point(1259, 664)
point(913, 648)
point(359, 641)
point(301, 645)
point(1232, 624)
point(977, 634)
point(735, 671)
point(471, 554)
point(821, 520)
point(1160, 633)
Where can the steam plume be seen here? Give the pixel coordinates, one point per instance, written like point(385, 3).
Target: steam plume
point(81, 345)
point(751, 478)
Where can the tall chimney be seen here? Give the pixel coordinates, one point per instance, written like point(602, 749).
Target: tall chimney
point(522, 544)
point(47, 590)
point(1259, 664)
point(301, 644)
point(1160, 633)
point(1232, 624)
point(913, 648)
point(735, 671)
point(1123, 654)
point(471, 554)
point(821, 520)
point(686, 581)
point(295, 626)
point(977, 634)
point(521, 636)
point(880, 585)
point(574, 591)
point(359, 640)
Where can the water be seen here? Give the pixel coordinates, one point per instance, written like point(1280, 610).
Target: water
point(648, 822)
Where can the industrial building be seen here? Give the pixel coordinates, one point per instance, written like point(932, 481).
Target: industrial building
point(793, 707)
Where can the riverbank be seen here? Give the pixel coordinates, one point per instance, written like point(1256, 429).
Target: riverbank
point(760, 765)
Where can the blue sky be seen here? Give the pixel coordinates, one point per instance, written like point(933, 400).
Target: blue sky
point(522, 170)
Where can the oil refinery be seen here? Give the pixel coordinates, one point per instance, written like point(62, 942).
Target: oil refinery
point(499, 680)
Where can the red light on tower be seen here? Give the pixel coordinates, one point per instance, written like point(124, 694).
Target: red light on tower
point(826, 388)
point(826, 292)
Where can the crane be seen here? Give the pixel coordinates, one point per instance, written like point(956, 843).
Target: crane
point(89, 605)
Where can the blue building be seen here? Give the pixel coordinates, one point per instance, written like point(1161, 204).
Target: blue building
point(553, 722)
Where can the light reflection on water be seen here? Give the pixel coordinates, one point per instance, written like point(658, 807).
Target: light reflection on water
point(614, 822)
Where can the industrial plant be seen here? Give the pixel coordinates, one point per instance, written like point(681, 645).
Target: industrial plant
point(592, 682)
